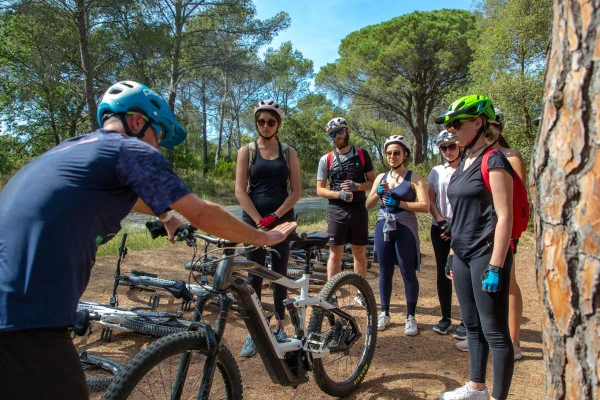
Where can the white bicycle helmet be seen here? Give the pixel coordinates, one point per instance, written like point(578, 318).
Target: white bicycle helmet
point(399, 139)
point(336, 123)
point(270, 105)
point(444, 137)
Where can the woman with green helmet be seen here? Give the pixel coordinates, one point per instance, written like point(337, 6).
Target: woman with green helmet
point(480, 258)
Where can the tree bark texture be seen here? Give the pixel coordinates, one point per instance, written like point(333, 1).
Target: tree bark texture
point(566, 174)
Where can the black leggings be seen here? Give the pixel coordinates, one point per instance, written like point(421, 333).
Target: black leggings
point(279, 264)
point(485, 316)
point(441, 248)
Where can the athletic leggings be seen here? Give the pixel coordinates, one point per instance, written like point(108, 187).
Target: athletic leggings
point(485, 316)
point(401, 250)
point(441, 248)
point(279, 263)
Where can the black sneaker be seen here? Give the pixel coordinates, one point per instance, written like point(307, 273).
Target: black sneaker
point(461, 332)
point(443, 327)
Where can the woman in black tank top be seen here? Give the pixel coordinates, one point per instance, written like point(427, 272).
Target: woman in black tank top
point(261, 186)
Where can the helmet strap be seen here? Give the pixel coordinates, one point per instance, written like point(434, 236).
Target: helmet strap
point(128, 130)
point(267, 138)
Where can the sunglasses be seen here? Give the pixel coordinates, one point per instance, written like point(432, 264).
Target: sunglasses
point(160, 131)
point(450, 147)
point(394, 153)
point(454, 124)
point(271, 122)
point(333, 134)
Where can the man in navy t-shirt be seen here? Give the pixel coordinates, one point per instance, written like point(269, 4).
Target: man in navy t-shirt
point(56, 210)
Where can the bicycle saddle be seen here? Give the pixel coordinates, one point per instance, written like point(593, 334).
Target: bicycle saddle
point(313, 239)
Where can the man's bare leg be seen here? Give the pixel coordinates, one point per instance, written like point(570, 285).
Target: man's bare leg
point(360, 259)
point(334, 263)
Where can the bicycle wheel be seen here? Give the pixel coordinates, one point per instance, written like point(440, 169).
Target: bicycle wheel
point(99, 371)
point(342, 372)
point(151, 373)
point(155, 326)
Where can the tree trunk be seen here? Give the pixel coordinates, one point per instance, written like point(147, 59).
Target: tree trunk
point(566, 172)
point(204, 129)
point(82, 23)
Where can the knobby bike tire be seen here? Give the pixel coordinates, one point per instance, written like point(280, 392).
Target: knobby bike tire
point(344, 379)
point(157, 327)
point(146, 374)
point(99, 371)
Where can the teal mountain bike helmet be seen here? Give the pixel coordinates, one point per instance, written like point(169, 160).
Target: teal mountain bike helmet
point(126, 96)
point(468, 107)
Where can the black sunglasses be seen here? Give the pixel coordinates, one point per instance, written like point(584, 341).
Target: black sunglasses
point(271, 122)
point(333, 134)
point(454, 124)
point(450, 147)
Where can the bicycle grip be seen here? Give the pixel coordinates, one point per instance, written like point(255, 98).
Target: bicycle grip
point(156, 228)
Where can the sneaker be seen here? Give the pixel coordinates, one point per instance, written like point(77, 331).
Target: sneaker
point(443, 326)
point(518, 353)
point(280, 335)
point(410, 328)
point(463, 345)
point(461, 332)
point(360, 300)
point(248, 350)
point(383, 321)
point(466, 392)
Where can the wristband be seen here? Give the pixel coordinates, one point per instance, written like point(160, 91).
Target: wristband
point(167, 218)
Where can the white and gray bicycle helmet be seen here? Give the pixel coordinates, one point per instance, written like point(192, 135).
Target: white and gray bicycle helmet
point(499, 117)
point(399, 139)
point(268, 105)
point(444, 137)
point(336, 123)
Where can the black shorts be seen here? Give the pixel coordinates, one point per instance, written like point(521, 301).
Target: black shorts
point(40, 364)
point(348, 225)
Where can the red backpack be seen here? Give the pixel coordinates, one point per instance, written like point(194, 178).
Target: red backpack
point(359, 151)
point(521, 212)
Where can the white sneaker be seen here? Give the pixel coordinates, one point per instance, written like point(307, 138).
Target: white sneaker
point(463, 345)
point(466, 392)
point(410, 328)
point(383, 321)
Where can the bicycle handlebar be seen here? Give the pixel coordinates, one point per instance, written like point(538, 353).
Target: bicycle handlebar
point(188, 234)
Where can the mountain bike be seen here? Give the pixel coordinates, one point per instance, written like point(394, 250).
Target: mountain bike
point(336, 345)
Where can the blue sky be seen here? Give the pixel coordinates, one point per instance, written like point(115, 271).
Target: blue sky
point(318, 26)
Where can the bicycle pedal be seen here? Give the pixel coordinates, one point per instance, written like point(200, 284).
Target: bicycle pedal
point(106, 334)
point(154, 301)
point(315, 342)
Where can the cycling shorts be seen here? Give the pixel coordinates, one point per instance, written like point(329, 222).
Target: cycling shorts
point(348, 225)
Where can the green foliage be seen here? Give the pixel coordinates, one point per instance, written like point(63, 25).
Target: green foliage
point(509, 64)
point(404, 67)
point(136, 240)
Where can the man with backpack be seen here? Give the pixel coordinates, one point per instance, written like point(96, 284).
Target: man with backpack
point(349, 171)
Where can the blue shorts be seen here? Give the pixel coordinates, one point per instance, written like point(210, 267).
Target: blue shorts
point(348, 224)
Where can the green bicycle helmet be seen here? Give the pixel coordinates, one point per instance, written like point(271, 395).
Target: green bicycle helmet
point(468, 107)
point(127, 96)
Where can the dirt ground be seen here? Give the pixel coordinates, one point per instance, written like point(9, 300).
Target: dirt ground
point(419, 367)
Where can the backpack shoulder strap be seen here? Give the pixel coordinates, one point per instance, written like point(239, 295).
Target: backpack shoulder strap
point(251, 158)
point(285, 149)
point(361, 155)
point(485, 172)
point(329, 160)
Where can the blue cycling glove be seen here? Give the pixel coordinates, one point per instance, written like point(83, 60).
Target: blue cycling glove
point(491, 279)
point(380, 190)
point(390, 201)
